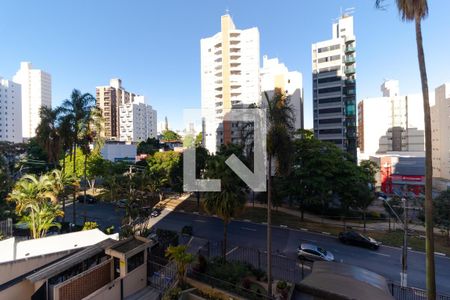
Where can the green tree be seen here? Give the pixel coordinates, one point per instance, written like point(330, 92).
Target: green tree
point(416, 11)
point(77, 110)
point(182, 259)
point(150, 146)
point(230, 201)
point(36, 203)
point(280, 121)
point(167, 165)
point(64, 184)
point(199, 140)
point(442, 211)
point(169, 135)
point(48, 135)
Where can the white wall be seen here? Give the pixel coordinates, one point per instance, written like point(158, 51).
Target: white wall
point(10, 111)
point(114, 152)
point(36, 92)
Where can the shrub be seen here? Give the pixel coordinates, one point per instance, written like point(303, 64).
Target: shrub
point(231, 272)
point(281, 285)
point(172, 294)
point(258, 273)
point(90, 225)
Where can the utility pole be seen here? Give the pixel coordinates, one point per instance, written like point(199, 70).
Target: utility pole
point(404, 274)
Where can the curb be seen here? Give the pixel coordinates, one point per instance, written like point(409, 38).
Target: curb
point(327, 233)
point(440, 254)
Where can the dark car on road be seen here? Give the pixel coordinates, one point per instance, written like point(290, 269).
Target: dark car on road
point(89, 199)
point(357, 239)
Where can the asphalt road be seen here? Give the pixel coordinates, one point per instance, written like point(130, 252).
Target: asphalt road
point(105, 214)
point(386, 261)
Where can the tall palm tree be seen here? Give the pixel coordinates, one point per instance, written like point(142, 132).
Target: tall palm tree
point(47, 133)
point(230, 201)
point(416, 11)
point(63, 184)
point(78, 111)
point(280, 122)
point(65, 134)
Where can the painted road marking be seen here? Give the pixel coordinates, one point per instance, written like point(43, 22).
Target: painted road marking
point(200, 221)
point(381, 254)
point(249, 229)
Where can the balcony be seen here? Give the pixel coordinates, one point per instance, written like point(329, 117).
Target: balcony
point(349, 70)
point(350, 81)
point(350, 92)
point(350, 49)
point(349, 59)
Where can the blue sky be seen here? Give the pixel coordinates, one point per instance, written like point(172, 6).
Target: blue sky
point(154, 46)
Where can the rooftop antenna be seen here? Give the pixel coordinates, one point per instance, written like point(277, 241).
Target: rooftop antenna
point(227, 11)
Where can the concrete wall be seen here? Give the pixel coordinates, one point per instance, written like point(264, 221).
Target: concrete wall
point(13, 269)
point(22, 290)
point(135, 281)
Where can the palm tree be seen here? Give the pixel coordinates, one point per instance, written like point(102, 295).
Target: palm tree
point(63, 184)
point(36, 201)
point(280, 121)
point(182, 260)
point(78, 111)
point(48, 134)
point(417, 10)
point(65, 134)
point(230, 201)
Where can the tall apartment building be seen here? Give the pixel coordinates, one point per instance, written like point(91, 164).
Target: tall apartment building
point(440, 125)
point(36, 87)
point(137, 121)
point(126, 116)
point(229, 78)
point(10, 111)
point(109, 98)
point(390, 123)
point(334, 87)
point(276, 75)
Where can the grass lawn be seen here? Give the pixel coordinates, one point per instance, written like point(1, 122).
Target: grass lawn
point(392, 238)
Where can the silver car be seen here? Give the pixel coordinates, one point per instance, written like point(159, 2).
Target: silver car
point(312, 252)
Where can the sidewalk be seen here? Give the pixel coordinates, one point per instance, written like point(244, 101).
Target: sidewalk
point(369, 226)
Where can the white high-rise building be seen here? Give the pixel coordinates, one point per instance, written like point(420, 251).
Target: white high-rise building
point(390, 123)
point(36, 92)
point(334, 87)
point(10, 111)
point(440, 126)
point(276, 75)
point(229, 78)
point(137, 120)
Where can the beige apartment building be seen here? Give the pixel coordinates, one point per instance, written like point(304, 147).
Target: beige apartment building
point(109, 98)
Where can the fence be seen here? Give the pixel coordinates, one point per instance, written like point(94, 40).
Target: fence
point(160, 276)
point(6, 228)
point(283, 268)
point(411, 293)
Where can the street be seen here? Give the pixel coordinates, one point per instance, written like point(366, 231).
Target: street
point(385, 261)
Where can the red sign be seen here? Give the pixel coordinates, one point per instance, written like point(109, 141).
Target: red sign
point(412, 178)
